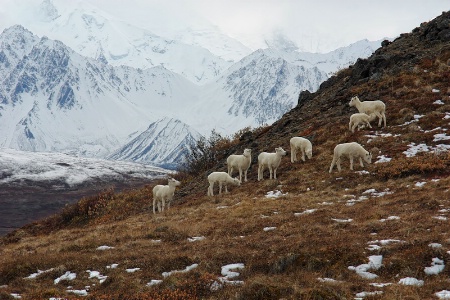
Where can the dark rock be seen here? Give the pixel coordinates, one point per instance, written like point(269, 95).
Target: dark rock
point(385, 43)
point(304, 97)
point(246, 136)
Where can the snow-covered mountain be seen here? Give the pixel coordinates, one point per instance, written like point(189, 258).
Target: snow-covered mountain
point(257, 90)
point(54, 99)
point(96, 34)
point(95, 102)
point(333, 61)
point(264, 85)
point(165, 143)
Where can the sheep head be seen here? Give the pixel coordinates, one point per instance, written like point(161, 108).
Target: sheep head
point(368, 157)
point(353, 101)
point(280, 151)
point(173, 182)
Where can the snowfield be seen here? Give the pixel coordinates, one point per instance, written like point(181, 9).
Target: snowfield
point(66, 170)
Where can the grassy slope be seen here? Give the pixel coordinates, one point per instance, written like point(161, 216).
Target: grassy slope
point(287, 261)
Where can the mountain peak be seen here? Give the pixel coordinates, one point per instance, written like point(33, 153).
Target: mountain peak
point(47, 11)
point(281, 42)
point(165, 143)
point(14, 30)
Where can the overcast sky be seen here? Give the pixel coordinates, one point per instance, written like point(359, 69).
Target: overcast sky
point(320, 24)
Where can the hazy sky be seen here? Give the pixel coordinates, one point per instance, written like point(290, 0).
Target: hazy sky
point(320, 24)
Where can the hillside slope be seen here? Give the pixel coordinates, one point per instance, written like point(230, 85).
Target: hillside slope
point(379, 232)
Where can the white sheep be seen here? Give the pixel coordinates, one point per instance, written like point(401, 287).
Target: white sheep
point(302, 144)
point(352, 150)
point(223, 179)
point(359, 120)
point(270, 160)
point(240, 162)
point(376, 107)
point(163, 194)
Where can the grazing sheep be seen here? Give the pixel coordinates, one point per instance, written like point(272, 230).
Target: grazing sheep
point(302, 144)
point(352, 150)
point(359, 120)
point(270, 160)
point(376, 107)
point(240, 162)
point(163, 194)
point(223, 179)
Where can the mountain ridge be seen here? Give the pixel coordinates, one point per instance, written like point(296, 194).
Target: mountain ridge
point(48, 86)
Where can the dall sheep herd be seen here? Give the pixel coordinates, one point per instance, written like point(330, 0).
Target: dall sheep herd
point(368, 111)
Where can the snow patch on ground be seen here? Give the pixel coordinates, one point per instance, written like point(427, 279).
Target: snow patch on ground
point(67, 276)
point(437, 266)
point(375, 262)
point(275, 194)
point(411, 281)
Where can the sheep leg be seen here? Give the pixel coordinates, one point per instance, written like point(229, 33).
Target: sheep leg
point(338, 164)
point(379, 118)
point(293, 155)
point(270, 172)
point(163, 200)
point(361, 162)
point(303, 154)
point(384, 119)
point(333, 162)
point(226, 188)
point(160, 208)
point(211, 189)
point(240, 175)
point(245, 173)
point(260, 171)
point(220, 187)
point(274, 173)
point(368, 124)
point(154, 205)
point(351, 163)
point(353, 127)
point(230, 170)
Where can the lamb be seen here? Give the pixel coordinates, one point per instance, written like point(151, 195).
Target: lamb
point(376, 107)
point(240, 162)
point(270, 160)
point(359, 120)
point(302, 144)
point(352, 150)
point(223, 179)
point(163, 194)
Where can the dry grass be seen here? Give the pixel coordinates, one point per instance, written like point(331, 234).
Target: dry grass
point(285, 262)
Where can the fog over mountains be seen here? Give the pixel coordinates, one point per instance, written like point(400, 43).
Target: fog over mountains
point(96, 86)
